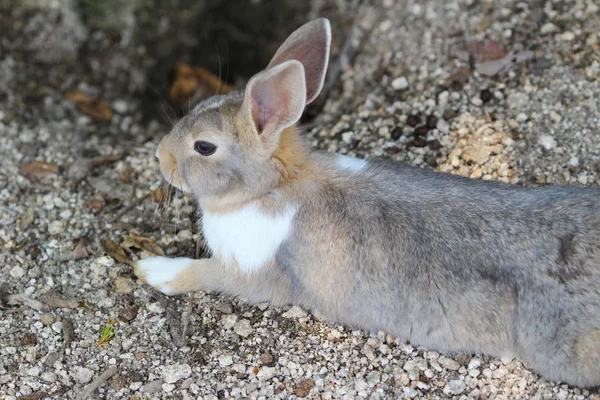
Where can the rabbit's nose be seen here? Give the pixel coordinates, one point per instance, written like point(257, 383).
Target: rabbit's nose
point(156, 154)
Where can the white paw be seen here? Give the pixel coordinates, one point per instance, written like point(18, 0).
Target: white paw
point(159, 271)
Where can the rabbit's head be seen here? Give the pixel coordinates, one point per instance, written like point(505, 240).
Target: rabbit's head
point(236, 147)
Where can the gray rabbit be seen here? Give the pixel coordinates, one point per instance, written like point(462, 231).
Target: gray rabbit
point(445, 262)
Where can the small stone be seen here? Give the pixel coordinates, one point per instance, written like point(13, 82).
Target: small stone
point(567, 36)
point(547, 142)
point(501, 372)
point(474, 363)
point(556, 117)
point(167, 387)
point(152, 387)
point(294, 312)
point(174, 373)
point(396, 133)
point(547, 28)
point(373, 378)
point(225, 307)
point(449, 363)
point(228, 321)
point(120, 106)
point(266, 373)
point(431, 121)
point(267, 359)
point(55, 227)
point(187, 383)
point(400, 83)
point(476, 101)
point(421, 131)
point(443, 126)
point(34, 371)
point(49, 377)
point(485, 95)
point(17, 272)
point(573, 161)
point(243, 328)
point(225, 360)
point(302, 388)
point(83, 375)
point(412, 120)
point(57, 327)
point(118, 382)
point(454, 387)
point(123, 285)
point(449, 114)
point(522, 117)
point(410, 392)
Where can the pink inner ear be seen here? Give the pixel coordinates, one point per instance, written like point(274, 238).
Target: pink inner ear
point(262, 113)
point(269, 100)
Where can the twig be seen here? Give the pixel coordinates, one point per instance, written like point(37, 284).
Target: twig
point(130, 207)
point(11, 332)
point(27, 301)
point(89, 390)
point(68, 332)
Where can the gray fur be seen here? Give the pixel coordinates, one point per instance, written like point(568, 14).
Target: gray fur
point(445, 262)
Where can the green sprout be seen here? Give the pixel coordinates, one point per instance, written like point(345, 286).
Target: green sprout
point(107, 333)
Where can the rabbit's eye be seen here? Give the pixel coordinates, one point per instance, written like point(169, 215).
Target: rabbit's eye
point(205, 148)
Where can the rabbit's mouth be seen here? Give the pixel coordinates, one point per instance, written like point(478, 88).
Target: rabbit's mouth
point(173, 178)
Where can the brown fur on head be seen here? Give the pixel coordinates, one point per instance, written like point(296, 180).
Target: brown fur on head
point(237, 147)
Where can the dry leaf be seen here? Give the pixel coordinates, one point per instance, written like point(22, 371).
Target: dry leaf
point(95, 205)
point(55, 300)
point(95, 108)
point(78, 253)
point(480, 50)
point(136, 240)
point(194, 84)
point(491, 68)
point(115, 251)
point(38, 169)
point(126, 174)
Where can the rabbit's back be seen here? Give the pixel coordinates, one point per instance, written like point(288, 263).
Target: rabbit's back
point(447, 262)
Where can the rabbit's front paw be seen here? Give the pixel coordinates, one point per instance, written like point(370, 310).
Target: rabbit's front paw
point(159, 271)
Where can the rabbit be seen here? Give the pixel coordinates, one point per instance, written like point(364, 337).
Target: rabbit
point(445, 262)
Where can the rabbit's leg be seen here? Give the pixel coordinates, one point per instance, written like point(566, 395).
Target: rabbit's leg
point(181, 275)
point(559, 335)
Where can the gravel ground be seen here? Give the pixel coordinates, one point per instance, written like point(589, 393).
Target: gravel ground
point(406, 92)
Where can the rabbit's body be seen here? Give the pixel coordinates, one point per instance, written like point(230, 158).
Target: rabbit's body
point(445, 262)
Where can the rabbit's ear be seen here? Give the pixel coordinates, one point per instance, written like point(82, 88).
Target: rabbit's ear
point(308, 44)
point(275, 98)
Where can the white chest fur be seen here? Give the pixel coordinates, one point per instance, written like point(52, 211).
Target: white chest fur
point(247, 235)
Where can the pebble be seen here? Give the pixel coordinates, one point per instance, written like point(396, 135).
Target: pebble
point(456, 386)
point(174, 373)
point(400, 83)
point(83, 375)
point(449, 363)
point(228, 321)
point(120, 106)
point(17, 272)
point(547, 142)
point(57, 327)
point(225, 360)
point(373, 378)
point(55, 227)
point(294, 312)
point(152, 387)
point(243, 328)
